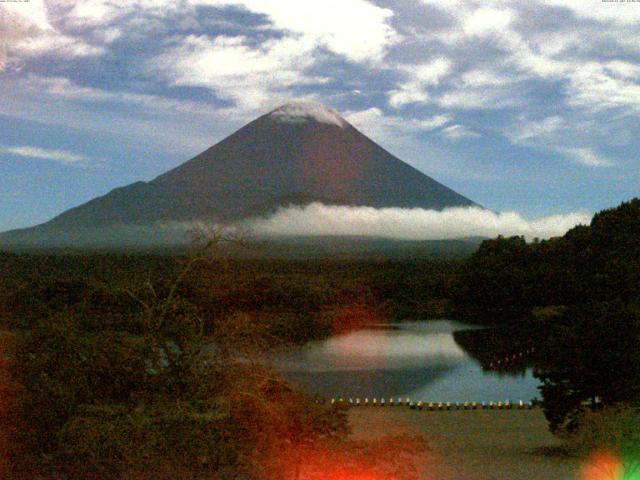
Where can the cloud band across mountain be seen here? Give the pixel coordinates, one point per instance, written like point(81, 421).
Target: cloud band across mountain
point(317, 219)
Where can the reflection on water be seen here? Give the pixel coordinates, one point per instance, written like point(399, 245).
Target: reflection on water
point(420, 360)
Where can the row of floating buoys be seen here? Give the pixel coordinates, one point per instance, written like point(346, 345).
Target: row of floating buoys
point(512, 358)
point(434, 406)
point(374, 402)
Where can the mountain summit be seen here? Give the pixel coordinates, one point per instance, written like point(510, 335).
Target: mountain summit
point(307, 111)
point(299, 153)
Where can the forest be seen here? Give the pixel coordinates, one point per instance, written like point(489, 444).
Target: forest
point(108, 361)
point(576, 300)
point(150, 366)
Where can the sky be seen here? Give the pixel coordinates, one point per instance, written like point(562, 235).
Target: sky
point(523, 106)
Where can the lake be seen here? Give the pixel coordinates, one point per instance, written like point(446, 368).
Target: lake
point(419, 360)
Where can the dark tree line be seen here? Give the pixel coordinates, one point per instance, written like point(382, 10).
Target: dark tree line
point(580, 296)
point(295, 301)
point(506, 278)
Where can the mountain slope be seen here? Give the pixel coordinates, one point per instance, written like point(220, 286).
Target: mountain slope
point(298, 153)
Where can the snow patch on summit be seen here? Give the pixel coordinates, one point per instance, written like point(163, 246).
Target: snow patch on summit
point(304, 111)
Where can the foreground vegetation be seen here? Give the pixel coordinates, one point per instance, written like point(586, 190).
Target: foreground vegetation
point(116, 373)
point(150, 366)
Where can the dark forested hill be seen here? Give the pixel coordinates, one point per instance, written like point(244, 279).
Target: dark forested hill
point(506, 278)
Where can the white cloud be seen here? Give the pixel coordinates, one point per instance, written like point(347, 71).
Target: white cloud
point(237, 70)
point(97, 12)
point(318, 21)
point(554, 133)
point(487, 20)
point(533, 51)
point(355, 29)
point(464, 98)
point(519, 50)
point(622, 13)
point(482, 78)
point(420, 78)
point(374, 116)
point(59, 156)
point(412, 224)
point(108, 35)
point(180, 127)
point(475, 54)
point(602, 86)
point(624, 69)
point(525, 131)
point(407, 94)
point(25, 31)
point(393, 130)
point(459, 132)
point(587, 157)
point(64, 88)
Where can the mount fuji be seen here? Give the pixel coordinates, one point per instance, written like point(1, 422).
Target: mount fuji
point(300, 153)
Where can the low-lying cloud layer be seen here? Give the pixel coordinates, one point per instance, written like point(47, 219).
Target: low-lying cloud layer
point(317, 219)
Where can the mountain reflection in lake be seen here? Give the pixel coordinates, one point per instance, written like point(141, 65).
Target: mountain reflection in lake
point(420, 360)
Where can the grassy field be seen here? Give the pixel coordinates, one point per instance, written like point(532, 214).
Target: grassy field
point(475, 445)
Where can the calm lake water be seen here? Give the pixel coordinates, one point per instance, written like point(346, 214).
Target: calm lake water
point(419, 360)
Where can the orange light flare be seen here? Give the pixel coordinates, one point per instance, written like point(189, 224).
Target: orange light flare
point(386, 458)
point(351, 475)
point(603, 465)
point(347, 318)
point(316, 469)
